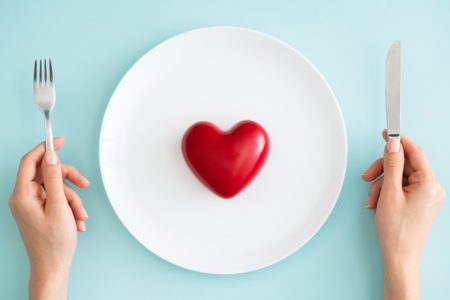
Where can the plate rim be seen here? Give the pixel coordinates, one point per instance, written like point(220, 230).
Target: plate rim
point(335, 102)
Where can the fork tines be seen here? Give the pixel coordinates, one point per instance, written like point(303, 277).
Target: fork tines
point(44, 80)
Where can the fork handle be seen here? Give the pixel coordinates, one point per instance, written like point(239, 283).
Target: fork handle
point(48, 133)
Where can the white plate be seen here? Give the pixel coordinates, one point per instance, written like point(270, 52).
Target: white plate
point(223, 75)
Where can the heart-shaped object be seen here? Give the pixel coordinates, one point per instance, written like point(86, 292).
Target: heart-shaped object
point(226, 162)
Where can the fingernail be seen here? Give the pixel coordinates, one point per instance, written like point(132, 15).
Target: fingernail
point(51, 158)
point(82, 226)
point(87, 181)
point(393, 145)
point(368, 202)
point(84, 213)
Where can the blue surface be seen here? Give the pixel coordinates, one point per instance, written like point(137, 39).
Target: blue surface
point(93, 43)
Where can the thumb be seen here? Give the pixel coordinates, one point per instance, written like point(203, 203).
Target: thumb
point(394, 161)
point(53, 181)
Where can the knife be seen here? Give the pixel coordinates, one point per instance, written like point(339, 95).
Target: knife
point(393, 90)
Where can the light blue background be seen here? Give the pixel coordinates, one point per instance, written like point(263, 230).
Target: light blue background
point(93, 43)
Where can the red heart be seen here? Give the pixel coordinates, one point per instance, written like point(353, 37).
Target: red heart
point(226, 162)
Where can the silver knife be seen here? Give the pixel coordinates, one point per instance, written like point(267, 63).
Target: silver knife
point(393, 90)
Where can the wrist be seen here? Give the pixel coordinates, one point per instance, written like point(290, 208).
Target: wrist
point(403, 259)
point(49, 283)
point(401, 278)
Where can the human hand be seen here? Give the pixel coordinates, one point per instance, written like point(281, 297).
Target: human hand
point(48, 213)
point(406, 197)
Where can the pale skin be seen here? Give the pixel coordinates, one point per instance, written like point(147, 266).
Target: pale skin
point(406, 197)
point(48, 213)
point(404, 193)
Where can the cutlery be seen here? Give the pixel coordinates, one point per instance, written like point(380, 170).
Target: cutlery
point(45, 96)
point(393, 90)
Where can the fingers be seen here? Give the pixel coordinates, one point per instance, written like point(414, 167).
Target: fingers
point(81, 226)
point(53, 181)
point(74, 176)
point(75, 203)
point(30, 162)
point(377, 168)
point(45, 168)
point(38, 192)
point(77, 207)
point(70, 173)
point(414, 178)
point(73, 200)
point(393, 164)
point(414, 155)
point(384, 133)
point(374, 171)
point(374, 193)
point(401, 157)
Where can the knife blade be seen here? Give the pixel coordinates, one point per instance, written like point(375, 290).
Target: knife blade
point(393, 90)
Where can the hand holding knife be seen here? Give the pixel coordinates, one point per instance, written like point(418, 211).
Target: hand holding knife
point(405, 194)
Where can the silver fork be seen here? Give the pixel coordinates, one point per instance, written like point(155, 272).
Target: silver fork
point(45, 97)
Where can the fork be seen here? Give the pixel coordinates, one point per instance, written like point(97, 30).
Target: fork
point(45, 97)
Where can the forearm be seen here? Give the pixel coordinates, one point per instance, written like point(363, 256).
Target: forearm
point(401, 279)
point(48, 284)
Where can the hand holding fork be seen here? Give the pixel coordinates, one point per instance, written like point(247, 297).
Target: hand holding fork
point(45, 97)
